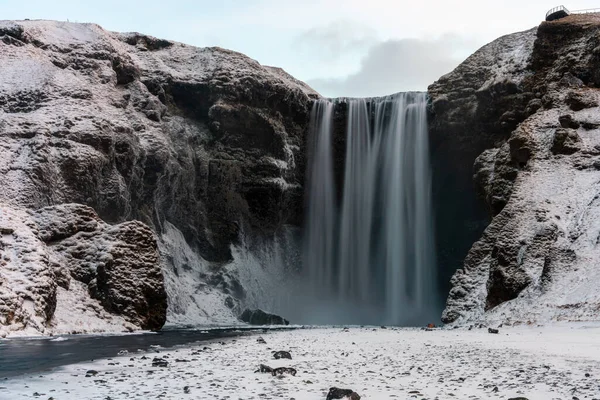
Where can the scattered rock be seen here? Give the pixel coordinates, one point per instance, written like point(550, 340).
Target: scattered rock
point(494, 331)
point(264, 369)
point(284, 370)
point(282, 354)
point(160, 362)
point(336, 393)
point(261, 340)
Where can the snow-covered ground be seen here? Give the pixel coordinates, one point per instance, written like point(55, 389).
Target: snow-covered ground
point(545, 363)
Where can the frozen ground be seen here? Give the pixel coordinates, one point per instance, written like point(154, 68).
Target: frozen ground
point(545, 363)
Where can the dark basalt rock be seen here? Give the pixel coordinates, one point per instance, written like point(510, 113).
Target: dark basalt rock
point(282, 354)
point(160, 362)
point(336, 393)
point(264, 369)
point(259, 317)
point(284, 370)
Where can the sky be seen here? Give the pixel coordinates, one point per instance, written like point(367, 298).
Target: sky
point(340, 48)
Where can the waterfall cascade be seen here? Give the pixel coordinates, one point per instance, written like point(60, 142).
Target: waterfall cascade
point(369, 250)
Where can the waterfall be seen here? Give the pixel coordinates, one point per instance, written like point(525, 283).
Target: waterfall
point(369, 248)
point(319, 247)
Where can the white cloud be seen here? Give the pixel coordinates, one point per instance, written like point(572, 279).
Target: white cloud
point(398, 65)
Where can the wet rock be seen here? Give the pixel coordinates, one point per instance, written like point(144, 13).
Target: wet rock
point(264, 369)
point(284, 370)
point(336, 393)
point(160, 362)
point(282, 354)
point(259, 317)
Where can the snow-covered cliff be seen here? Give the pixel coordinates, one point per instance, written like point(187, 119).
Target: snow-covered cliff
point(200, 145)
point(527, 105)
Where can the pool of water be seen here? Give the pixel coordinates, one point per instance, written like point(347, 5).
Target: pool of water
point(22, 356)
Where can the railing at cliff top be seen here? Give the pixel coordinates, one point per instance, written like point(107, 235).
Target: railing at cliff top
point(557, 9)
point(564, 10)
point(587, 11)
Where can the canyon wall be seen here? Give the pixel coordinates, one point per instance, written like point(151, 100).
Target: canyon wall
point(202, 146)
point(523, 112)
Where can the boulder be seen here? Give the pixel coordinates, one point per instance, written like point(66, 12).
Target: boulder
point(336, 393)
point(68, 248)
point(194, 143)
point(259, 317)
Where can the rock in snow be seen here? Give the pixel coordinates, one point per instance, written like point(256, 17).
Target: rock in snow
point(259, 317)
point(197, 144)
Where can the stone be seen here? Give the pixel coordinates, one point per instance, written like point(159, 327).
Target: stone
point(160, 362)
point(259, 317)
point(265, 369)
point(336, 393)
point(282, 354)
point(284, 370)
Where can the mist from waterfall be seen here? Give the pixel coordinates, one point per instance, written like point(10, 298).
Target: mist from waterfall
point(368, 249)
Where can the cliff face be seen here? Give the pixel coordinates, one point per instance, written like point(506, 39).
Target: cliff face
point(199, 145)
point(526, 106)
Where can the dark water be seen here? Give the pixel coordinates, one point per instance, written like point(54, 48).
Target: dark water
point(28, 356)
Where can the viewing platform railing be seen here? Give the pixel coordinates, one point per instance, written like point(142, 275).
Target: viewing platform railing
point(557, 10)
point(562, 12)
point(587, 11)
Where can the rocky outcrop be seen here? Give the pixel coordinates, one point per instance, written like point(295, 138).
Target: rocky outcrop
point(199, 145)
point(259, 317)
point(528, 104)
point(54, 255)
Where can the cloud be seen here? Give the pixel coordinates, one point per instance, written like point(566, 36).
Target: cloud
point(336, 40)
point(398, 65)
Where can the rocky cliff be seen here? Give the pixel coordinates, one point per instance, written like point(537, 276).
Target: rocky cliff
point(523, 112)
point(100, 130)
